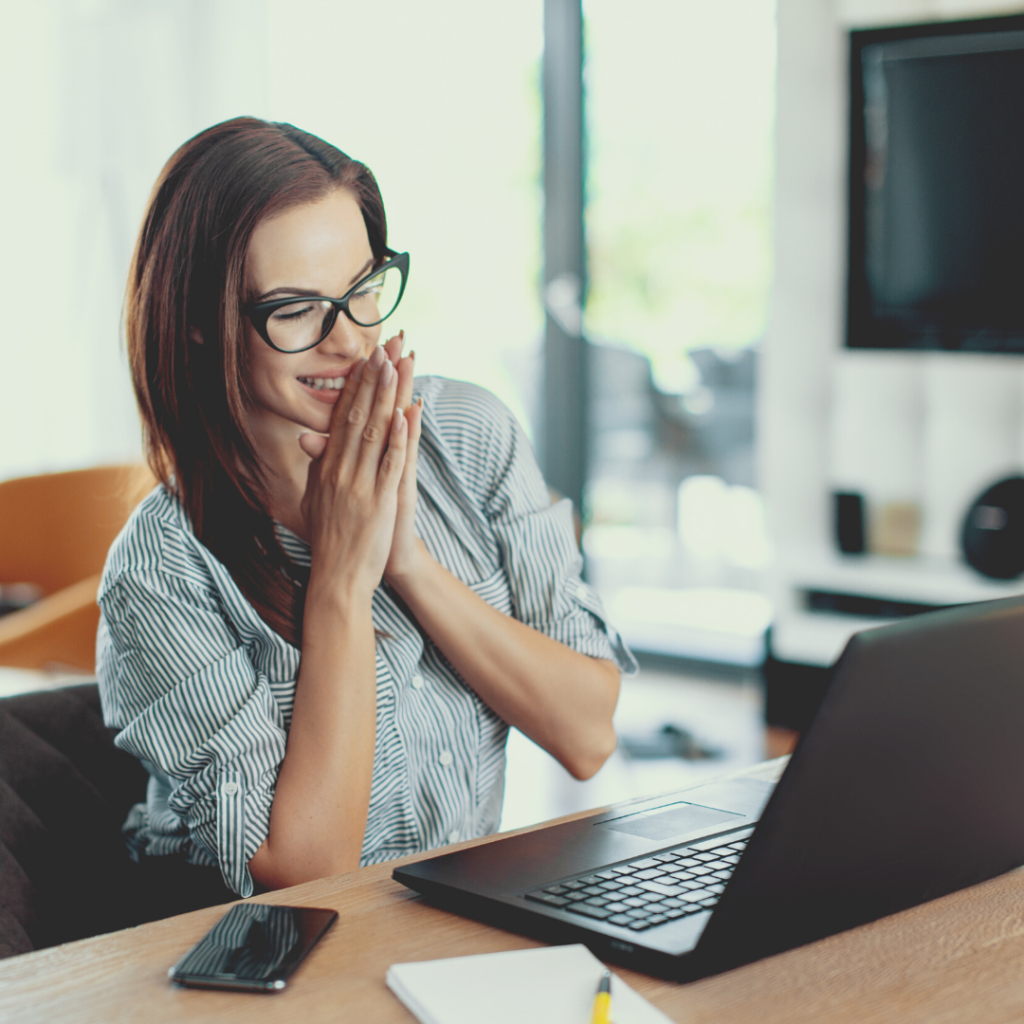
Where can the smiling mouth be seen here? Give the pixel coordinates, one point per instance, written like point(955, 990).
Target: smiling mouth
point(323, 383)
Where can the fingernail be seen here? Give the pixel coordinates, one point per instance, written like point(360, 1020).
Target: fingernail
point(377, 358)
point(412, 354)
point(386, 374)
point(302, 433)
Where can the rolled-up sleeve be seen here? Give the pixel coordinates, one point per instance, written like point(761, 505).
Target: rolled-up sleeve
point(541, 557)
point(183, 690)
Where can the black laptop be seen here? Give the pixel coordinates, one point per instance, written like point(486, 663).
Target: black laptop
point(908, 785)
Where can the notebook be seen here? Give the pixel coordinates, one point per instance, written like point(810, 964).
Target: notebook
point(550, 985)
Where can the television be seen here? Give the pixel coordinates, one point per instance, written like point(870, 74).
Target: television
point(936, 232)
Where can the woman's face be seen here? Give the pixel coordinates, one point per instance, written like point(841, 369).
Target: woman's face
point(320, 248)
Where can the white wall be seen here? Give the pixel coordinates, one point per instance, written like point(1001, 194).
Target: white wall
point(929, 427)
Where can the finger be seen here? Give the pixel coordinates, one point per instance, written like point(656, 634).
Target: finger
point(406, 368)
point(312, 444)
point(414, 414)
point(375, 432)
point(364, 403)
point(392, 465)
point(393, 347)
point(339, 415)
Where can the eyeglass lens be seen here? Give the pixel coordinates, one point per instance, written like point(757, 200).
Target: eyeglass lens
point(304, 322)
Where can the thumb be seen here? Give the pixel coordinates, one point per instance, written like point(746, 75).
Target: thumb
point(312, 444)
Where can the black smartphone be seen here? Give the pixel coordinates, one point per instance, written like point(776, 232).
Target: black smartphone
point(253, 947)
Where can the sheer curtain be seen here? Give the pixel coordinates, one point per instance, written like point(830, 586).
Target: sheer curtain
point(99, 95)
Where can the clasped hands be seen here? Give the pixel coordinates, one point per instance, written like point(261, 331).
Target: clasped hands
point(360, 498)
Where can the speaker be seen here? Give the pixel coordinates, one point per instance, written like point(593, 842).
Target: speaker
point(848, 510)
point(993, 532)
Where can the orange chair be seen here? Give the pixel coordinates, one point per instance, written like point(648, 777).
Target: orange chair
point(55, 531)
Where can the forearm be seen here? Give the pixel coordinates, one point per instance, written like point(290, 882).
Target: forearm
point(318, 817)
point(561, 699)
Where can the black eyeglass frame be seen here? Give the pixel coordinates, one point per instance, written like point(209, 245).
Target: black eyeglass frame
point(260, 312)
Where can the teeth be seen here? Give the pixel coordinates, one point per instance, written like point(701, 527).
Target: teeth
point(322, 383)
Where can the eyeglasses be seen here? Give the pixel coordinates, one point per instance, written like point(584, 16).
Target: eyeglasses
point(298, 323)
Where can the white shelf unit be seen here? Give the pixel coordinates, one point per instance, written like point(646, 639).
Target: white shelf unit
point(817, 638)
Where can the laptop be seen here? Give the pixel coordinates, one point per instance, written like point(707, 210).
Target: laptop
point(909, 784)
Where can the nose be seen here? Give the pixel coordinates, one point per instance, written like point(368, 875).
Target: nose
point(349, 340)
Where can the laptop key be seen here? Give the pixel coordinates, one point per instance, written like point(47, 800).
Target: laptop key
point(693, 897)
point(623, 869)
point(620, 919)
point(635, 901)
point(591, 879)
point(587, 911)
point(617, 908)
point(650, 862)
point(556, 890)
point(667, 858)
point(662, 889)
point(650, 873)
point(688, 862)
point(574, 896)
point(638, 926)
point(574, 885)
point(630, 890)
point(656, 920)
point(611, 886)
point(551, 901)
point(608, 876)
point(672, 913)
point(651, 897)
point(639, 914)
point(592, 890)
point(596, 901)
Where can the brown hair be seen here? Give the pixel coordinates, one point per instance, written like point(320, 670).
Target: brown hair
point(187, 275)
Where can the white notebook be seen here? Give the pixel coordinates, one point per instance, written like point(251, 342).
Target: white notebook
point(553, 984)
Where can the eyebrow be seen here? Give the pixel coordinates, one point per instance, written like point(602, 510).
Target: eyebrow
point(292, 290)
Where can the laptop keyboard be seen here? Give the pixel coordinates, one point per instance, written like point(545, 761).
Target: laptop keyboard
point(645, 893)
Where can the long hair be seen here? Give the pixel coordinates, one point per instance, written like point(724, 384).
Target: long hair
point(185, 335)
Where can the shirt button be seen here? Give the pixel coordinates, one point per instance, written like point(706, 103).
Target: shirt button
point(446, 757)
point(453, 837)
point(417, 681)
point(229, 788)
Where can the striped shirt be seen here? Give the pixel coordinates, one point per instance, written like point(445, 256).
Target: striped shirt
point(202, 688)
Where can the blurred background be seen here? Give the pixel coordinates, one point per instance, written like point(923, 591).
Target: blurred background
point(627, 221)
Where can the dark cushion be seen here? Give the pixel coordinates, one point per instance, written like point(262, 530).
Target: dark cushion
point(65, 790)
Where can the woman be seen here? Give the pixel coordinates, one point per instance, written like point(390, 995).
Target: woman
point(317, 629)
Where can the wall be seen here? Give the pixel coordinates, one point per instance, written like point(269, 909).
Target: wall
point(814, 432)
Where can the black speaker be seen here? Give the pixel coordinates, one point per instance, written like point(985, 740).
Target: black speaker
point(993, 533)
point(848, 509)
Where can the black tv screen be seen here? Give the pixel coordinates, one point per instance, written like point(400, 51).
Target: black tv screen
point(936, 239)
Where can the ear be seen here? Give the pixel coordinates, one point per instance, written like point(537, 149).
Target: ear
point(195, 335)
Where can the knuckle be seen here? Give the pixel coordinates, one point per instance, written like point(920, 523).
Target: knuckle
point(356, 415)
point(371, 433)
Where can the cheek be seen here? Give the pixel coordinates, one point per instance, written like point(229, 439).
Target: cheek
point(264, 367)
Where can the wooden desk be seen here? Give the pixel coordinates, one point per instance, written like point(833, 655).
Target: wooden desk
point(957, 959)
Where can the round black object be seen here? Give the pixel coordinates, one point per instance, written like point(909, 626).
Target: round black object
point(993, 533)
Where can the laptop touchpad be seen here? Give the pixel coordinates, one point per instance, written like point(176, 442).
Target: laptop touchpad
point(670, 821)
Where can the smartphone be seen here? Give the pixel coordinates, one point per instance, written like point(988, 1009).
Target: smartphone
point(253, 947)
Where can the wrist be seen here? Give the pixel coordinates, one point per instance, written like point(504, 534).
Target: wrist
point(344, 597)
point(403, 578)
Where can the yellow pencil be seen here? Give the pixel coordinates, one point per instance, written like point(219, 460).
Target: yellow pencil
point(601, 1013)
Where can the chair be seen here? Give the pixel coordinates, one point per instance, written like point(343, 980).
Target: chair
point(55, 531)
point(65, 790)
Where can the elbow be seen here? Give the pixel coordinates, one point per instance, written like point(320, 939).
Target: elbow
point(587, 763)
